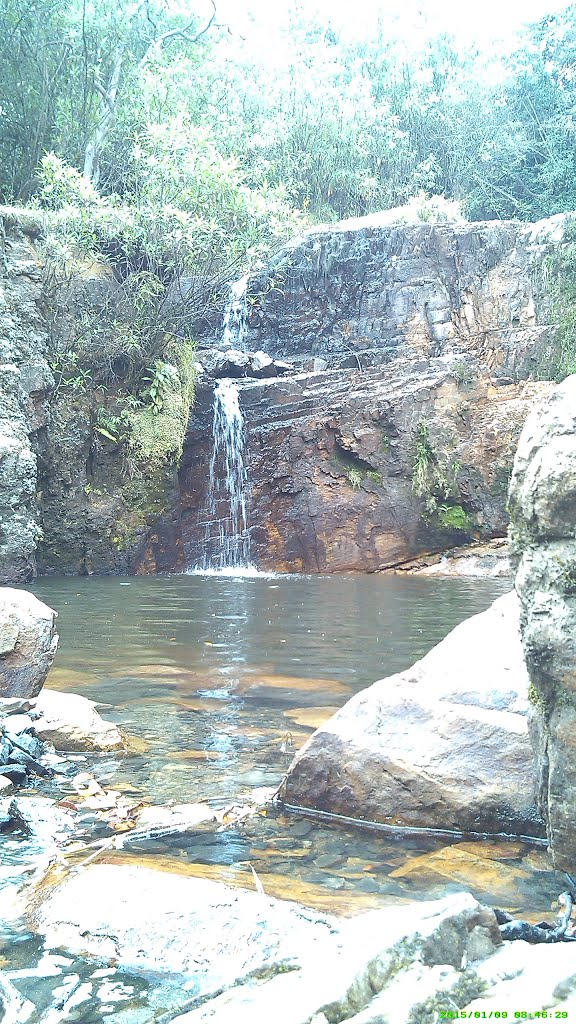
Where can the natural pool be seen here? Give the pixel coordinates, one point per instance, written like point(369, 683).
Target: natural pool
point(221, 678)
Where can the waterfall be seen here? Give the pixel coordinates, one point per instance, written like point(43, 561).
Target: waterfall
point(226, 538)
point(236, 316)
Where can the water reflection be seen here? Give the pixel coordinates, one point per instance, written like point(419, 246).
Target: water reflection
point(220, 679)
point(214, 673)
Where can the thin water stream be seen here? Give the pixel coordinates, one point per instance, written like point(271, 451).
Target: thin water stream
point(221, 678)
point(224, 520)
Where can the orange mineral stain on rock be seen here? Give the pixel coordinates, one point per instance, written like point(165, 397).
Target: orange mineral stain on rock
point(478, 873)
point(346, 904)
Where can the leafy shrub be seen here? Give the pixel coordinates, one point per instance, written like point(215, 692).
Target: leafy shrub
point(354, 477)
point(454, 517)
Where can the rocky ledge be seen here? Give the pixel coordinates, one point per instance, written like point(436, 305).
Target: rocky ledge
point(241, 956)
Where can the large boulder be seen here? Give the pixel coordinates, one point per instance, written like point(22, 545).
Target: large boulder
point(444, 744)
point(28, 642)
point(543, 534)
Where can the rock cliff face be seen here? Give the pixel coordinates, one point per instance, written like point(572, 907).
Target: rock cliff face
point(25, 381)
point(390, 434)
point(359, 293)
point(334, 464)
point(67, 504)
point(397, 435)
point(543, 532)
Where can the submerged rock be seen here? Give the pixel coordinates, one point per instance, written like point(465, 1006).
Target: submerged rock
point(543, 534)
point(28, 642)
point(15, 1009)
point(442, 745)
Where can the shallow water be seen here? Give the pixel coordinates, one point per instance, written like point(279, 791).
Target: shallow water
point(220, 679)
point(224, 677)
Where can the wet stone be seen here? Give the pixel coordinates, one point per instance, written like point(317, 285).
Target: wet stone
point(329, 860)
point(301, 829)
point(15, 772)
point(11, 818)
point(369, 885)
point(27, 743)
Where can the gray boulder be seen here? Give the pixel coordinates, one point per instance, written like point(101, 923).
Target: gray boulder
point(28, 642)
point(543, 535)
point(443, 745)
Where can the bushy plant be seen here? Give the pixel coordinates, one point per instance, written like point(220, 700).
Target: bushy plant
point(435, 479)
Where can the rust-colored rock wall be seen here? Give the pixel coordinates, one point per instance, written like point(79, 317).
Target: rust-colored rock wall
point(398, 337)
point(332, 465)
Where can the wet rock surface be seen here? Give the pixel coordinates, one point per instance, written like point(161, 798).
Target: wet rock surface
point(28, 642)
point(543, 534)
point(204, 932)
point(332, 460)
point(70, 723)
point(232, 363)
point(443, 745)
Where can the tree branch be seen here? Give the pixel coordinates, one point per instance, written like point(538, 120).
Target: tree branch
point(158, 45)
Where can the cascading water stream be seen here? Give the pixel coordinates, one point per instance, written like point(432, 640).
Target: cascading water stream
point(236, 316)
point(226, 542)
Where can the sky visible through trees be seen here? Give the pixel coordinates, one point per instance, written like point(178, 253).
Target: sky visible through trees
point(219, 128)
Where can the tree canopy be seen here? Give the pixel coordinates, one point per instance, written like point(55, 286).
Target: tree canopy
point(141, 110)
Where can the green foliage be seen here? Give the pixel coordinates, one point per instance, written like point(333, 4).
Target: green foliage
point(160, 380)
point(434, 478)
point(187, 120)
point(462, 372)
point(375, 477)
point(354, 468)
point(424, 461)
point(538, 700)
point(354, 477)
point(157, 430)
point(454, 517)
point(568, 579)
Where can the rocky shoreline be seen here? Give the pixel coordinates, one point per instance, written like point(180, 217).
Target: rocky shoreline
point(236, 955)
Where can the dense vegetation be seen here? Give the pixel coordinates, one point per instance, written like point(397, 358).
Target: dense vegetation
point(157, 106)
point(164, 143)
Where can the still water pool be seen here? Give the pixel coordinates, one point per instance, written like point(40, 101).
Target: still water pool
point(223, 677)
point(219, 679)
